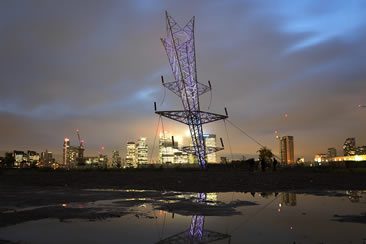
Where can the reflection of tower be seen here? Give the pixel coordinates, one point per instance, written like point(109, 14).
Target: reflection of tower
point(288, 199)
point(180, 49)
point(196, 232)
point(198, 221)
point(287, 150)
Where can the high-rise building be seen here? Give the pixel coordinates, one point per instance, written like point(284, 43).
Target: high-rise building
point(349, 146)
point(332, 152)
point(169, 153)
point(46, 158)
point(33, 158)
point(20, 158)
point(142, 151)
point(70, 154)
point(116, 159)
point(131, 160)
point(287, 150)
point(210, 141)
point(65, 150)
point(166, 150)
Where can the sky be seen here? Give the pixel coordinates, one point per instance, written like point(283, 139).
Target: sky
point(96, 66)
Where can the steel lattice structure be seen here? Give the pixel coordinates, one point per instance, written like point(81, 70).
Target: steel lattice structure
point(179, 45)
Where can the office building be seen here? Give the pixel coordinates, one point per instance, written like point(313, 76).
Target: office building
point(116, 159)
point(332, 152)
point(321, 158)
point(70, 154)
point(20, 158)
point(142, 151)
point(166, 150)
point(349, 147)
point(172, 154)
point(46, 158)
point(287, 150)
point(210, 141)
point(131, 160)
point(33, 158)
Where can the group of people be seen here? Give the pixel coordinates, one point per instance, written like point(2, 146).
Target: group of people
point(264, 164)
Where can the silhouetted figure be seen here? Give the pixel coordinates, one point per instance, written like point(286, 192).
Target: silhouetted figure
point(275, 162)
point(251, 164)
point(263, 165)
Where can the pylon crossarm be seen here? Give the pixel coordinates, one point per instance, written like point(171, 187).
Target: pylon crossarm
point(175, 87)
point(185, 116)
point(191, 150)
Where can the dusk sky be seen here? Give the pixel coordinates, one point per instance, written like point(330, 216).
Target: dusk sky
point(96, 66)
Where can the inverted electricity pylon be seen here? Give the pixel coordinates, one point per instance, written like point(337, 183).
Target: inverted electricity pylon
point(179, 45)
point(196, 232)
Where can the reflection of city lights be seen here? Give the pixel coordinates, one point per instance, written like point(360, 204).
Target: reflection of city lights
point(291, 228)
point(280, 205)
point(279, 210)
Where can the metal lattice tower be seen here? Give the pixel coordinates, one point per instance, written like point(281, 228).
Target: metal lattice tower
point(179, 45)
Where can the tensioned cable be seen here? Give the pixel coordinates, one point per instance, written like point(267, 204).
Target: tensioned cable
point(157, 130)
point(163, 228)
point(209, 105)
point(241, 130)
point(162, 101)
point(246, 220)
point(237, 127)
point(228, 138)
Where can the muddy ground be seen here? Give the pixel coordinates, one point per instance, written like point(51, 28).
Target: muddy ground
point(215, 180)
point(37, 194)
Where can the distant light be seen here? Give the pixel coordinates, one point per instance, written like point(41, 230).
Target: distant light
point(64, 205)
point(280, 205)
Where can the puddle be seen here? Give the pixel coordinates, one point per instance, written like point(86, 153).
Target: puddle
point(136, 216)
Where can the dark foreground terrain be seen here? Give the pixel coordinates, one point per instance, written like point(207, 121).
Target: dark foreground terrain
point(32, 194)
point(191, 180)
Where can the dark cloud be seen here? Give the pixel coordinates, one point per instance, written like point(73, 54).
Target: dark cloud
point(95, 66)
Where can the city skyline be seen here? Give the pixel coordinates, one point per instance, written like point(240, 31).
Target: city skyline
point(99, 70)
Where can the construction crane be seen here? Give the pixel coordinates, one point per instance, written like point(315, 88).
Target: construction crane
point(81, 142)
point(81, 149)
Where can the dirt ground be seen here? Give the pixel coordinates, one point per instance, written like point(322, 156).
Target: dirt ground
point(37, 194)
point(191, 180)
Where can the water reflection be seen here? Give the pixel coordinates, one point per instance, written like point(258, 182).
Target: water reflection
point(196, 232)
point(354, 196)
point(288, 199)
point(120, 216)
